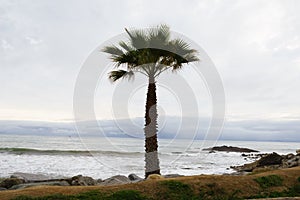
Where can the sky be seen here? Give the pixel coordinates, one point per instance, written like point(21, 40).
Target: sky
point(254, 45)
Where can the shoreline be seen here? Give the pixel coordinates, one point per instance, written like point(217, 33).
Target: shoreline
point(282, 173)
point(260, 162)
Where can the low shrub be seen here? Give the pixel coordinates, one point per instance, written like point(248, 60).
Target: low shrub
point(269, 181)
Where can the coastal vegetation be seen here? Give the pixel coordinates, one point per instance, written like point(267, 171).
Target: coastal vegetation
point(276, 183)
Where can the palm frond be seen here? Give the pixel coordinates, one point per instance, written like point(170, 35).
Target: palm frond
point(158, 36)
point(164, 32)
point(139, 39)
point(180, 47)
point(129, 58)
point(113, 50)
point(191, 57)
point(126, 46)
point(117, 74)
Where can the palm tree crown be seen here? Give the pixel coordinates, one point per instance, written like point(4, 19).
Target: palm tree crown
point(149, 52)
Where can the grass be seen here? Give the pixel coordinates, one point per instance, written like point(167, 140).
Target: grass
point(91, 195)
point(291, 192)
point(169, 190)
point(176, 190)
point(126, 195)
point(269, 181)
point(213, 191)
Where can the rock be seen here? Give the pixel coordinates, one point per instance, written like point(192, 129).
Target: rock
point(293, 164)
point(246, 167)
point(292, 159)
point(9, 182)
point(27, 177)
point(289, 156)
point(298, 151)
point(99, 180)
point(270, 162)
point(188, 168)
point(82, 180)
point(116, 180)
point(270, 159)
point(2, 188)
point(53, 183)
point(154, 176)
point(134, 177)
point(172, 175)
point(229, 149)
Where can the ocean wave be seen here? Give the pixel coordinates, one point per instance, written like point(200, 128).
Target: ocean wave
point(28, 151)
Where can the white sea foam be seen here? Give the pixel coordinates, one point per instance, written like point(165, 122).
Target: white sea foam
point(111, 156)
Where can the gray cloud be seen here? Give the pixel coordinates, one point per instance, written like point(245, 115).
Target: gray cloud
point(262, 130)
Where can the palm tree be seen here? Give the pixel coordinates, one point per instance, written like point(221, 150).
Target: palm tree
point(149, 52)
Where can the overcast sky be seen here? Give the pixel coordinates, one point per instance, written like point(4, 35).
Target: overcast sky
point(254, 44)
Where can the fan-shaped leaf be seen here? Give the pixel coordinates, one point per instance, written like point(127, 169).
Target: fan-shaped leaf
point(117, 74)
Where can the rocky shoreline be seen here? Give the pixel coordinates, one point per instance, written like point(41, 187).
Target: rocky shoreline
point(270, 161)
point(24, 180)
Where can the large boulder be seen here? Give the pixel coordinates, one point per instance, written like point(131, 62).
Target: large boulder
point(9, 182)
point(29, 178)
point(270, 159)
point(134, 177)
point(82, 180)
point(116, 180)
point(246, 167)
point(289, 156)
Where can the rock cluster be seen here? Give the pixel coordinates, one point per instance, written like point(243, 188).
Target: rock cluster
point(271, 161)
point(24, 180)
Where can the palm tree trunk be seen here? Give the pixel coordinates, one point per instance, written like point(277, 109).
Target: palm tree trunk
point(151, 155)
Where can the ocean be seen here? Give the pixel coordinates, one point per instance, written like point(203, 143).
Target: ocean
point(99, 157)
